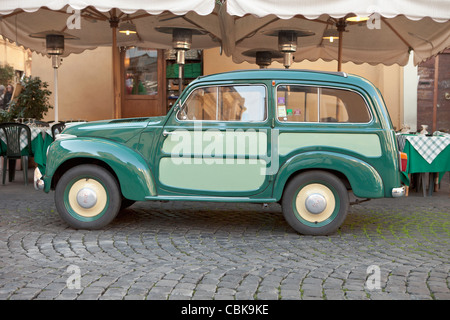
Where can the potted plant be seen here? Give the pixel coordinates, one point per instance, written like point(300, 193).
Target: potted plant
point(31, 102)
point(6, 74)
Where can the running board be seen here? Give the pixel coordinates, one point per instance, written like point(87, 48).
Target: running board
point(210, 199)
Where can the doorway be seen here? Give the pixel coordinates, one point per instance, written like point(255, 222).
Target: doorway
point(443, 94)
point(433, 94)
point(143, 90)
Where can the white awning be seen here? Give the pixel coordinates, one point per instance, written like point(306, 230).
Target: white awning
point(91, 24)
point(395, 28)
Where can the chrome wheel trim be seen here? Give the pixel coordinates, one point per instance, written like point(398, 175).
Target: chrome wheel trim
point(96, 201)
point(315, 203)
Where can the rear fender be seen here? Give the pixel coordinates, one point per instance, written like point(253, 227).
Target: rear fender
point(363, 178)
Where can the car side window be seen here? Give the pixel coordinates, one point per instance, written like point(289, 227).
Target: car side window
point(245, 103)
point(315, 104)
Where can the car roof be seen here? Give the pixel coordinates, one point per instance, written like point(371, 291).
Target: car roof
point(271, 73)
point(287, 74)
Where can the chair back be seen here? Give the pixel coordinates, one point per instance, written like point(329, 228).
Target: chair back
point(57, 129)
point(14, 133)
point(41, 123)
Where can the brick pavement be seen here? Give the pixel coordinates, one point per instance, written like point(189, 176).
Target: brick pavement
point(205, 251)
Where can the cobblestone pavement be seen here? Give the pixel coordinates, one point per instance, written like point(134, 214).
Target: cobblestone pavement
point(386, 249)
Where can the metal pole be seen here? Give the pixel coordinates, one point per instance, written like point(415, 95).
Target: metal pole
point(181, 58)
point(55, 63)
point(180, 79)
point(55, 75)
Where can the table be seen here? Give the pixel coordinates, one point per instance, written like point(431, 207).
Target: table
point(41, 138)
point(426, 154)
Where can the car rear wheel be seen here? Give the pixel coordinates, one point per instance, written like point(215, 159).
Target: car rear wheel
point(315, 203)
point(87, 197)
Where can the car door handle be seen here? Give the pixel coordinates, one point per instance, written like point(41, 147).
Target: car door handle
point(167, 133)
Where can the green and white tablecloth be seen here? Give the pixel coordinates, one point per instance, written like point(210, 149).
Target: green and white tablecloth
point(41, 138)
point(429, 147)
point(425, 153)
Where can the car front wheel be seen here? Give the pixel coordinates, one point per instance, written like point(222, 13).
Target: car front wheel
point(315, 203)
point(87, 197)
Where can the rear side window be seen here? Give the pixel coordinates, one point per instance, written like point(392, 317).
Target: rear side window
point(315, 104)
point(244, 103)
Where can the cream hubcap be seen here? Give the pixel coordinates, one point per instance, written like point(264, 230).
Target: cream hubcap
point(87, 197)
point(315, 203)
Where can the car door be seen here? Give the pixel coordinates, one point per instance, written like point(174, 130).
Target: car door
point(215, 143)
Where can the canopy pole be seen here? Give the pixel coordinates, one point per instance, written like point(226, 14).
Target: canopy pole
point(435, 92)
point(340, 52)
point(341, 24)
point(114, 23)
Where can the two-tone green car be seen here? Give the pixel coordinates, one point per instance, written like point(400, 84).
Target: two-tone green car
point(300, 138)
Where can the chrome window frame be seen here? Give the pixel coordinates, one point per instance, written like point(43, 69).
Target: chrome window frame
point(266, 100)
point(318, 104)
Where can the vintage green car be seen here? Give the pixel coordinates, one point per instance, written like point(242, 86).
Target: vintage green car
point(297, 137)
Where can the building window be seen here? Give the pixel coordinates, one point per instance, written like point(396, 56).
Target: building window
point(141, 71)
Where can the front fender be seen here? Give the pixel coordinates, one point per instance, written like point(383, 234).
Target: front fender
point(363, 178)
point(134, 175)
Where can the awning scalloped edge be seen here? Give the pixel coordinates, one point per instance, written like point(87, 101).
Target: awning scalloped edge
point(201, 11)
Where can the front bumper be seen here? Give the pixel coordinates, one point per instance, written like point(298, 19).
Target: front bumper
point(398, 192)
point(38, 181)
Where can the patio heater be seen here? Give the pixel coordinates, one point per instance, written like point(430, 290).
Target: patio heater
point(263, 57)
point(287, 42)
point(181, 42)
point(54, 44)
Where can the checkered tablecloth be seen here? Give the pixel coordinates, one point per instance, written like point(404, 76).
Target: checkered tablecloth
point(429, 147)
point(35, 131)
